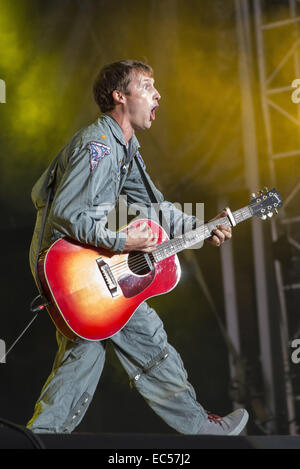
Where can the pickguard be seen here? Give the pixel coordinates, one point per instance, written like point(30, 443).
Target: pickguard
point(131, 284)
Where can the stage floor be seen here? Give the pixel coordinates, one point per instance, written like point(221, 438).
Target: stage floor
point(11, 438)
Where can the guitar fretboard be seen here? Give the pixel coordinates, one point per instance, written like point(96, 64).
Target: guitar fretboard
point(173, 246)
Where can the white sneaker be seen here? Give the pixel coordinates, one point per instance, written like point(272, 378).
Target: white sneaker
point(231, 424)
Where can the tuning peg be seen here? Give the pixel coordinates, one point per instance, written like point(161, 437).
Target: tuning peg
point(276, 211)
point(253, 195)
point(263, 217)
point(266, 189)
point(270, 214)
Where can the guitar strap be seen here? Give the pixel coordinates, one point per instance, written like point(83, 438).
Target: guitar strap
point(49, 184)
point(150, 191)
point(152, 196)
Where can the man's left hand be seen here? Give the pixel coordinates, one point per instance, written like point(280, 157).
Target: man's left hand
point(221, 233)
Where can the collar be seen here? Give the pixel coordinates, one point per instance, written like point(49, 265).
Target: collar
point(133, 143)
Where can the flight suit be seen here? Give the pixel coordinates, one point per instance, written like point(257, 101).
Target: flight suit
point(93, 170)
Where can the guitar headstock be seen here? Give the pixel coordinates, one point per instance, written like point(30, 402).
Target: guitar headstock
point(265, 203)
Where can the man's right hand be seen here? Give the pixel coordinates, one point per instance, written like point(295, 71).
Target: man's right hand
point(140, 238)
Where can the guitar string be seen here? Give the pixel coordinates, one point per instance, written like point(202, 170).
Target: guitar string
point(161, 249)
point(140, 262)
point(136, 266)
point(136, 270)
point(141, 259)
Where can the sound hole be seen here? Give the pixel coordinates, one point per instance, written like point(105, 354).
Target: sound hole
point(140, 263)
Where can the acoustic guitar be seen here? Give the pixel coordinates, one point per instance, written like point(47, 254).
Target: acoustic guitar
point(92, 292)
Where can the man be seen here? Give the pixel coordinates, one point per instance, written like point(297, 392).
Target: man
point(99, 164)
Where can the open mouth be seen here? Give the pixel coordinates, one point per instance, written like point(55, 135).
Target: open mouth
point(152, 113)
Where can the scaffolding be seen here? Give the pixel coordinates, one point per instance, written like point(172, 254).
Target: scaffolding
point(290, 213)
point(281, 395)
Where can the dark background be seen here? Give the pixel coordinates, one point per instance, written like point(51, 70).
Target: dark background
point(50, 54)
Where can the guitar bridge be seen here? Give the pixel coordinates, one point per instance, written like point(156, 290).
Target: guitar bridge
point(108, 277)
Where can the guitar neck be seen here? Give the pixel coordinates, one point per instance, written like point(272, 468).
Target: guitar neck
point(178, 244)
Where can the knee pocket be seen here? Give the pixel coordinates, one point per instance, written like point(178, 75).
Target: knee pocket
point(151, 365)
point(165, 376)
point(77, 412)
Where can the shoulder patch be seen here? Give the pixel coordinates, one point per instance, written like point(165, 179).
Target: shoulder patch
point(97, 152)
point(141, 159)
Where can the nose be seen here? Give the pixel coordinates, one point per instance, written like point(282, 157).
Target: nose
point(157, 96)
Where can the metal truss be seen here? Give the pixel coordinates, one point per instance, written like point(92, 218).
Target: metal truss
point(283, 223)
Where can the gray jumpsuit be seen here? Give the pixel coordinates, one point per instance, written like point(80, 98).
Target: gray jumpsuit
point(94, 169)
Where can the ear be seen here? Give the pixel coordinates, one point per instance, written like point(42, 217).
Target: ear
point(118, 97)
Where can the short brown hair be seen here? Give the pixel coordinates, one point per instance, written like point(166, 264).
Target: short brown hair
point(116, 76)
